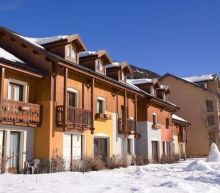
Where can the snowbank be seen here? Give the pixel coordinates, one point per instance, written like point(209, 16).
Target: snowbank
point(197, 165)
point(214, 154)
point(152, 178)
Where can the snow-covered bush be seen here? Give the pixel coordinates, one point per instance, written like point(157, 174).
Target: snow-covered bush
point(214, 154)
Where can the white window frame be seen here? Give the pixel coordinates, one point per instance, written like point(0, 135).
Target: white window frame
point(72, 90)
point(70, 52)
point(104, 104)
point(25, 88)
point(103, 66)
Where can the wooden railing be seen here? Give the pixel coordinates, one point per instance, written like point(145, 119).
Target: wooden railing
point(76, 118)
point(16, 112)
point(130, 126)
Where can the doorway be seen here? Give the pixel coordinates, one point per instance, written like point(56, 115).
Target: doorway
point(72, 149)
point(155, 151)
point(101, 148)
point(14, 151)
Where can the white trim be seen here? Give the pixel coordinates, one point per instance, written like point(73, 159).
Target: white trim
point(104, 104)
point(153, 118)
point(25, 88)
point(72, 90)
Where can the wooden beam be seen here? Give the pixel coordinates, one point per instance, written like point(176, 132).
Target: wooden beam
point(92, 105)
point(65, 98)
point(135, 111)
point(21, 70)
point(2, 82)
point(126, 113)
point(101, 79)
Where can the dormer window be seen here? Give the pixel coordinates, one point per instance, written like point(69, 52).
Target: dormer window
point(100, 67)
point(123, 76)
point(70, 53)
point(152, 91)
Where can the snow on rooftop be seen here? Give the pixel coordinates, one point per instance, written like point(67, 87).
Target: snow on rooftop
point(140, 81)
point(87, 53)
point(8, 56)
point(176, 117)
point(165, 87)
point(112, 65)
point(40, 41)
point(199, 78)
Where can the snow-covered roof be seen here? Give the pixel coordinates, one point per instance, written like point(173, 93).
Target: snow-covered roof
point(140, 81)
point(199, 78)
point(176, 117)
point(8, 56)
point(45, 40)
point(87, 53)
point(165, 87)
point(113, 64)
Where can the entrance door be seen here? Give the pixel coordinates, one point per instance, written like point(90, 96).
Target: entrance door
point(101, 148)
point(67, 150)
point(181, 151)
point(14, 150)
point(155, 151)
point(76, 147)
point(72, 149)
point(1, 143)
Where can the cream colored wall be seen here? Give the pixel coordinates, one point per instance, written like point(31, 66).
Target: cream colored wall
point(192, 103)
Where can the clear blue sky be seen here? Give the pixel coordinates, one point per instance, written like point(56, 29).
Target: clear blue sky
point(177, 36)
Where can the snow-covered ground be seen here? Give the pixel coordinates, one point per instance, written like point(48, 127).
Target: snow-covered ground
point(193, 175)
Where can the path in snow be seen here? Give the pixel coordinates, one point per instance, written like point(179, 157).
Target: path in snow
point(158, 178)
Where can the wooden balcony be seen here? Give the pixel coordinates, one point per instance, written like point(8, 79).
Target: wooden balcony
point(76, 118)
point(130, 126)
point(20, 113)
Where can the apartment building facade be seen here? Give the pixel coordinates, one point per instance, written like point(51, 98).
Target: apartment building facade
point(55, 100)
point(198, 99)
point(154, 121)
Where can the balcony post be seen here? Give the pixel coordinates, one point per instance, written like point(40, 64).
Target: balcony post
point(2, 82)
point(126, 113)
point(135, 112)
point(92, 105)
point(65, 98)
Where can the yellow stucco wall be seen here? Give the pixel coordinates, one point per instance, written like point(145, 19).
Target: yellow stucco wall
point(102, 129)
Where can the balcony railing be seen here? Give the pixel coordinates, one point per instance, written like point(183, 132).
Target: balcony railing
point(76, 118)
point(130, 126)
point(16, 112)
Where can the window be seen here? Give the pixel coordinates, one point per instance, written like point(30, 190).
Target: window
point(72, 97)
point(210, 120)
point(100, 67)
point(154, 119)
point(167, 123)
point(16, 91)
point(218, 106)
point(129, 146)
point(100, 105)
point(209, 106)
point(211, 138)
point(123, 76)
point(152, 91)
point(70, 53)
